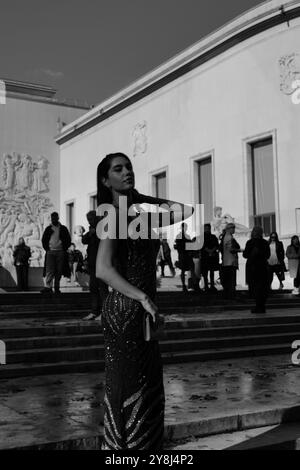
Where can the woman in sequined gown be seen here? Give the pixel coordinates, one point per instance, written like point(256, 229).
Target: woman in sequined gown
point(134, 392)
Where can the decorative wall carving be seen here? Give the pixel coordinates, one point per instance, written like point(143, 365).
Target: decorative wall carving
point(219, 222)
point(140, 141)
point(289, 72)
point(24, 206)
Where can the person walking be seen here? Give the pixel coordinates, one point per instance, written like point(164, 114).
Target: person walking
point(209, 258)
point(257, 252)
point(98, 288)
point(164, 256)
point(56, 241)
point(293, 256)
point(229, 248)
point(21, 256)
point(276, 260)
point(134, 390)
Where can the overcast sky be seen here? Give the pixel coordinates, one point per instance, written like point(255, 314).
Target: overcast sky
point(90, 49)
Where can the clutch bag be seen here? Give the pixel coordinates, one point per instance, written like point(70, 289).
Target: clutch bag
point(153, 331)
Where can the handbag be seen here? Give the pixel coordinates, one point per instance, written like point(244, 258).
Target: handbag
point(153, 331)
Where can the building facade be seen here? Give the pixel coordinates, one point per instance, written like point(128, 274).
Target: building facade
point(218, 124)
point(30, 118)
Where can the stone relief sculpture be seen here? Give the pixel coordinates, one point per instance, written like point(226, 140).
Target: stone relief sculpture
point(8, 172)
point(23, 169)
point(40, 175)
point(140, 141)
point(24, 207)
point(220, 221)
point(289, 72)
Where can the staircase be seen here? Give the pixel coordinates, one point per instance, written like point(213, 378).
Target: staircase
point(46, 335)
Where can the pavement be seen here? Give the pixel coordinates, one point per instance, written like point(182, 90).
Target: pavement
point(202, 399)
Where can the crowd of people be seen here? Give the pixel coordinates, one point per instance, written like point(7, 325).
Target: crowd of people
point(218, 260)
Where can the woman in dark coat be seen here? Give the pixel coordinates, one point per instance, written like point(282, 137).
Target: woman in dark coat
point(257, 253)
point(276, 260)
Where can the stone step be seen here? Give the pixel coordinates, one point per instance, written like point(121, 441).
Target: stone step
point(283, 436)
point(48, 368)
point(94, 337)
point(36, 298)
point(96, 351)
point(29, 308)
point(198, 326)
point(53, 312)
point(46, 314)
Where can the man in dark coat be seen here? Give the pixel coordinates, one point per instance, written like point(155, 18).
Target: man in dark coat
point(56, 241)
point(209, 256)
point(185, 259)
point(164, 255)
point(21, 256)
point(257, 253)
point(98, 288)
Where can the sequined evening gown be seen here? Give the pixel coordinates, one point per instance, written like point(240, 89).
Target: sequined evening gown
point(134, 392)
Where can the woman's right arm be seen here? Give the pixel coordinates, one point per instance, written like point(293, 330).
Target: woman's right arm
point(177, 210)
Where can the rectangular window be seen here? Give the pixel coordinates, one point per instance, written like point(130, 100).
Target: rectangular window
point(70, 217)
point(205, 187)
point(160, 185)
point(263, 188)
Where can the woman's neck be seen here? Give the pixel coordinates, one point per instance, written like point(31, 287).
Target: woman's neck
point(116, 199)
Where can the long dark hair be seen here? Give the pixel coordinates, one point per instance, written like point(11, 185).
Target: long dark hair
point(104, 194)
point(295, 237)
point(274, 234)
point(257, 232)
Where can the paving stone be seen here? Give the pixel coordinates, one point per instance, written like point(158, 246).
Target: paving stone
point(226, 396)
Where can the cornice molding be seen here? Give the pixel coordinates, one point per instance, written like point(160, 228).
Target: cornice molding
point(244, 27)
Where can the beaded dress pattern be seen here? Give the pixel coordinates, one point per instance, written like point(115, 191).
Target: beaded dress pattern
point(134, 392)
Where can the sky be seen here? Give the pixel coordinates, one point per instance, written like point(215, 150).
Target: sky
point(90, 49)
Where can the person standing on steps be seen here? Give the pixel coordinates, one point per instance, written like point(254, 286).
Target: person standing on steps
point(98, 288)
point(56, 241)
point(209, 256)
point(276, 260)
point(21, 256)
point(293, 256)
point(257, 252)
point(229, 248)
point(164, 255)
point(134, 389)
point(75, 260)
point(185, 259)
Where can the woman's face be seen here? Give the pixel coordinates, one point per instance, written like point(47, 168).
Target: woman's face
point(120, 177)
point(273, 237)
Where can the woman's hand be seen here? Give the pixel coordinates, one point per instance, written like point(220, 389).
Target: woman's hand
point(150, 307)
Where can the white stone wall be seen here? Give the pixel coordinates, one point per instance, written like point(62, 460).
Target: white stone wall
point(215, 109)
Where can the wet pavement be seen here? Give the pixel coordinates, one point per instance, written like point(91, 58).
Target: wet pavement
point(201, 399)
